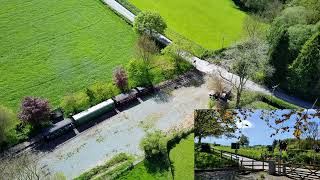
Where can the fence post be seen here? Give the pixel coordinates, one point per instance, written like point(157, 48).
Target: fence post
point(284, 170)
point(263, 165)
point(241, 164)
point(252, 164)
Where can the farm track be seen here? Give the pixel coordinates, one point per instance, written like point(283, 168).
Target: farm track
point(209, 68)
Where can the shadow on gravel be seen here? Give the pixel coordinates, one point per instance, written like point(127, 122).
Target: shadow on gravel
point(51, 145)
point(92, 123)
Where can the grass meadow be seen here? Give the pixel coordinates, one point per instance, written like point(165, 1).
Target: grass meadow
point(182, 158)
point(52, 48)
point(213, 24)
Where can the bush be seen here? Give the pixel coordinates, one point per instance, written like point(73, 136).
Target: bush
point(100, 92)
point(298, 36)
point(6, 123)
point(75, 103)
point(35, 111)
point(139, 74)
point(304, 72)
point(155, 146)
point(120, 78)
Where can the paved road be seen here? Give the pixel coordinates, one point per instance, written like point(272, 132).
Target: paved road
point(124, 131)
point(207, 67)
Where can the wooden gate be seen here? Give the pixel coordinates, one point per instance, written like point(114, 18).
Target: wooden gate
point(299, 171)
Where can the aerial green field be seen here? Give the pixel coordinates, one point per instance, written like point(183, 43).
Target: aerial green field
point(52, 48)
point(182, 158)
point(211, 23)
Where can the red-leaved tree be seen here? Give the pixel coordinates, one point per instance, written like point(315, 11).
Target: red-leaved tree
point(120, 78)
point(34, 110)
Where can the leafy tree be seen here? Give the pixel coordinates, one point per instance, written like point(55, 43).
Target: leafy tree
point(312, 5)
point(244, 140)
point(138, 73)
point(298, 36)
point(250, 60)
point(213, 123)
point(120, 78)
point(149, 22)
point(304, 72)
point(155, 146)
point(6, 118)
point(146, 48)
point(274, 143)
point(279, 58)
point(34, 110)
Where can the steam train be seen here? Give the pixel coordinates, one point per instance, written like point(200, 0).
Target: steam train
point(63, 125)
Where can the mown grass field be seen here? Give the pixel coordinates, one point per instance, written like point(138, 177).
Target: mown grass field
point(52, 48)
point(206, 22)
point(182, 158)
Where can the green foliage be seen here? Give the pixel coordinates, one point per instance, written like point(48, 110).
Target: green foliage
point(304, 72)
point(294, 15)
point(212, 160)
point(139, 74)
point(120, 158)
point(151, 22)
point(298, 36)
point(101, 92)
point(69, 53)
point(155, 146)
point(75, 103)
point(7, 121)
point(312, 5)
point(279, 57)
point(244, 140)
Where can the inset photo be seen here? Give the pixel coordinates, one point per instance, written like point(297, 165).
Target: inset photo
point(257, 144)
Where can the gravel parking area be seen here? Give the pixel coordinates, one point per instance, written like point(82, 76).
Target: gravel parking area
point(122, 132)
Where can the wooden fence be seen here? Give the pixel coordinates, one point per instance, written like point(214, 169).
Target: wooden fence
point(298, 171)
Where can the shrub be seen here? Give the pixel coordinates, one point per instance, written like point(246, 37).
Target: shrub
point(139, 74)
point(155, 146)
point(34, 111)
point(298, 36)
point(304, 72)
point(6, 121)
point(120, 78)
point(101, 92)
point(75, 103)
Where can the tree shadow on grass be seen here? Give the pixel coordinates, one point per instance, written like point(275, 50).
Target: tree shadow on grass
point(154, 166)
